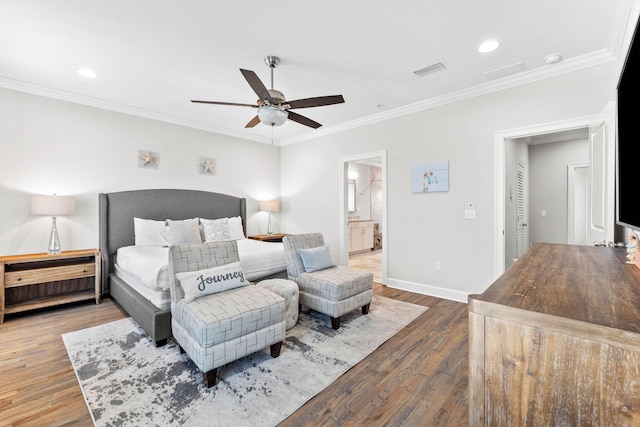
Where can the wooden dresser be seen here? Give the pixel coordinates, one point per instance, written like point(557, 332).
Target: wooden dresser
point(555, 341)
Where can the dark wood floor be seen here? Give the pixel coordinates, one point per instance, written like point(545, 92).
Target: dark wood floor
point(417, 378)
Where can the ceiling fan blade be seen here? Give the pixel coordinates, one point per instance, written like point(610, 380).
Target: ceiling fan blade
point(256, 84)
point(303, 120)
point(316, 102)
point(253, 122)
point(225, 103)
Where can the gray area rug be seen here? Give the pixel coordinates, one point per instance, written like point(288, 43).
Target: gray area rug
point(127, 381)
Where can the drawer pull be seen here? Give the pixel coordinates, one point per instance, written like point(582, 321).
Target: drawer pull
point(19, 278)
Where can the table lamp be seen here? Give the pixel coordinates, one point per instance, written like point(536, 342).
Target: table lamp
point(269, 206)
point(53, 206)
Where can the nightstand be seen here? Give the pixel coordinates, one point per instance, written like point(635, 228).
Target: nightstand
point(32, 281)
point(275, 237)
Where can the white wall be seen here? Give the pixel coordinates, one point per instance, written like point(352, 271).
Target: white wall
point(49, 146)
point(548, 189)
point(428, 227)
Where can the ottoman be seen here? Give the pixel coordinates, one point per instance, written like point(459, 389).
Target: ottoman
point(287, 289)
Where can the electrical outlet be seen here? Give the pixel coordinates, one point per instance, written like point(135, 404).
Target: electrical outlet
point(436, 265)
point(470, 214)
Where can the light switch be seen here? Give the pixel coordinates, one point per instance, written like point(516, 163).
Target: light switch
point(543, 212)
point(470, 214)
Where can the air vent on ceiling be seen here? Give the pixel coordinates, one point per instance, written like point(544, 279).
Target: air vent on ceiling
point(436, 66)
point(505, 71)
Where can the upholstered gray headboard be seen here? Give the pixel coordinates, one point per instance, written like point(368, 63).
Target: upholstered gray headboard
point(117, 210)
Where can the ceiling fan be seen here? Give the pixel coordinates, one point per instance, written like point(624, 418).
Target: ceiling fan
point(273, 108)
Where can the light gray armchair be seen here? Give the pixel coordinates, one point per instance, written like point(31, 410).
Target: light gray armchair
point(324, 286)
point(217, 316)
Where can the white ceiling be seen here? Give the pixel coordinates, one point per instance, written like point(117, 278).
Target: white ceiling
point(154, 56)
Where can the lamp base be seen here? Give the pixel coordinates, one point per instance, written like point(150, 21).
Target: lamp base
point(269, 231)
point(54, 240)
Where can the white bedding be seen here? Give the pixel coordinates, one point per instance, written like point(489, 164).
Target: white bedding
point(147, 266)
point(158, 297)
point(260, 259)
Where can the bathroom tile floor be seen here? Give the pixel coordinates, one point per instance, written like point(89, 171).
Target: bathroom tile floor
point(369, 261)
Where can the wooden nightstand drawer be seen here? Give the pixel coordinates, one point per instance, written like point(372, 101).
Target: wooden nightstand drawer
point(51, 274)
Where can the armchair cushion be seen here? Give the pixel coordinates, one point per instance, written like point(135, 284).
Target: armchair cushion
point(196, 284)
point(219, 318)
point(335, 283)
point(315, 259)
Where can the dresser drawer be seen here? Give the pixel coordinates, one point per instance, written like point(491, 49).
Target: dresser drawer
point(50, 274)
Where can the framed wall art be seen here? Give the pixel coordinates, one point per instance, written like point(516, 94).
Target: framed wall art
point(430, 177)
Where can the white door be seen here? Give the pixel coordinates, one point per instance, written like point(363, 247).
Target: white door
point(601, 182)
point(522, 230)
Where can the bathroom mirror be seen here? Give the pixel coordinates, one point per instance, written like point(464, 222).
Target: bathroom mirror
point(351, 195)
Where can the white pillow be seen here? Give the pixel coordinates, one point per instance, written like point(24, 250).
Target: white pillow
point(151, 232)
point(235, 228)
point(215, 230)
point(196, 284)
point(185, 232)
point(315, 259)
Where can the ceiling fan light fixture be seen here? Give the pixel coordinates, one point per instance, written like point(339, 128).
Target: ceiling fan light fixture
point(272, 116)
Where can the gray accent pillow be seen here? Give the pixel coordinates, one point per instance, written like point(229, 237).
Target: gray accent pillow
point(315, 259)
point(215, 230)
point(185, 232)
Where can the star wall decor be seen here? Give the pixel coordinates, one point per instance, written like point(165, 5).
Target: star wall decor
point(207, 166)
point(148, 159)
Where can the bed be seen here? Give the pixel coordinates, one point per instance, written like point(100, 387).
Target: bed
point(147, 305)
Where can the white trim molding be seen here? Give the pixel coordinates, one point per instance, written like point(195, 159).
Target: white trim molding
point(433, 291)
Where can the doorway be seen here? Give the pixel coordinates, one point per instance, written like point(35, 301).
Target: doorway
point(363, 213)
point(537, 208)
point(601, 136)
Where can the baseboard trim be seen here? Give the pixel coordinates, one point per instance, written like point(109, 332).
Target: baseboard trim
point(433, 291)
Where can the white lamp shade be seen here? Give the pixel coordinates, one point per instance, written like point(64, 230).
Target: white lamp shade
point(270, 206)
point(52, 205)
point(272, 116)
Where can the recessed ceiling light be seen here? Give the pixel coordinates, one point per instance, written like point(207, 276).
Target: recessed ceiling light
point(488, 46)
point(88, 73)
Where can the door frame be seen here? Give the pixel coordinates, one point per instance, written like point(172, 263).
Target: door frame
point(343, 214)
point(499, 177)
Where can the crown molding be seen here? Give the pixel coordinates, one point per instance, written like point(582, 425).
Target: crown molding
point(48, 92)
point(548, 71)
